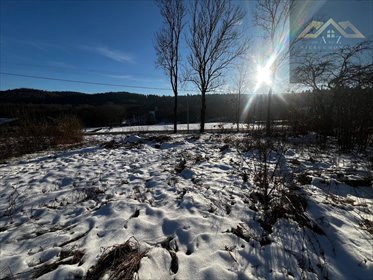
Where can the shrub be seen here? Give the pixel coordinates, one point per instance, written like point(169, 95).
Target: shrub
point(29, 135)
point(69, 130)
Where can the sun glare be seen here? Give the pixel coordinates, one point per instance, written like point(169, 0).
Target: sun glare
point(263, 76)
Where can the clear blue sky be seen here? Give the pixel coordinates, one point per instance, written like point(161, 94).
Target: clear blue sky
point(99, 41)
point(105, 42)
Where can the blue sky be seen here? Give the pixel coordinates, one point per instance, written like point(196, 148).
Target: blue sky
point(107, 42)
point(99, 41)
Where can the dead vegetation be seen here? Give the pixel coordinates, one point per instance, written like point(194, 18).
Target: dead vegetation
point(241, 232)
point(65, 257)
point(276, 194)
point(180, 165)
point(159, 138)
point(367, 225)
point(304, 179)
point(112, 144)
point(118, 261)
point(29, 135)
point(68, 130)
point(290, 205)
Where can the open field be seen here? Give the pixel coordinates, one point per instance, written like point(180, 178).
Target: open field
point(183, 128)
point(189, 207)
point(167, 128)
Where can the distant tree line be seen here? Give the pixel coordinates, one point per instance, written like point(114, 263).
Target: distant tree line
point(349, 113)
point(114, 109)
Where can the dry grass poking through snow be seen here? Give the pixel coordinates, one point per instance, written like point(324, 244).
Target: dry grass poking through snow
point(118, 261)
point(67, 257)
point(187, 207)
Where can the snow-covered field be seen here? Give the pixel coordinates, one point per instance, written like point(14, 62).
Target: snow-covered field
point(211, 126)
point(165, 127)
point(189, 203)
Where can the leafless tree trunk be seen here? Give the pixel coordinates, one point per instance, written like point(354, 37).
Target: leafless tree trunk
point(241, 84)
point(214, 42)
point(167, 43)
point(271, 16)
point(238, 111)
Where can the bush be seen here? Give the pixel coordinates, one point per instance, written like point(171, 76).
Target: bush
point(29, 135)
point(69, 130)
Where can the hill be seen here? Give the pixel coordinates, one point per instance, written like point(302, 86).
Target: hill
point(113, 108)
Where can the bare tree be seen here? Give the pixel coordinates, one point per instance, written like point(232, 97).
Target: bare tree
point(241, 85)
point(313, 72)
point(214, 42)
point(351, 66)
point(341, 82)
point(348, 67)
point(271, 17)
point(168, 41)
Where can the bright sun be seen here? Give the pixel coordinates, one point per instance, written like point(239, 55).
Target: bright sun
point(263, 76)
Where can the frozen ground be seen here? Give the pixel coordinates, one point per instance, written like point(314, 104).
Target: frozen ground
point(211, 126)
point(190, 203)
point(165, 127)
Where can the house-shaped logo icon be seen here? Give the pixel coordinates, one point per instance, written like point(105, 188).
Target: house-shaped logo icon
point(315, 28)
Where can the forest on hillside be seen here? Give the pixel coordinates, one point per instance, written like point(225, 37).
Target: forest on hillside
point(114, 108)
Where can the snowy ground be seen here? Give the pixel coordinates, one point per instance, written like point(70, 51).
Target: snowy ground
point(211, 126)
point(165, 127)
point(60, 210)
